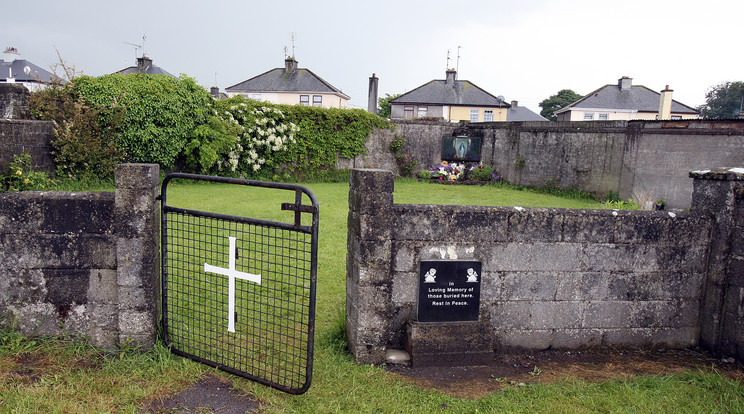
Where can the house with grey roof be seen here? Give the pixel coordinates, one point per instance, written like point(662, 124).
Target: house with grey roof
point(449, 99)
point(15, 69)
point(625, 101)
point(290, 85)
point(517, 113)
point(144, 65)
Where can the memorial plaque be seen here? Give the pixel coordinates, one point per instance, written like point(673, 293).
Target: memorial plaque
point(449, 291)
point(461, 149)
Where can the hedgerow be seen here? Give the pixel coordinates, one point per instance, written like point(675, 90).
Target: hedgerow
point(174, 122)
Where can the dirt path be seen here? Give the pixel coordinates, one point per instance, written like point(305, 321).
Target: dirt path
point(551, 366)
point(213, 394)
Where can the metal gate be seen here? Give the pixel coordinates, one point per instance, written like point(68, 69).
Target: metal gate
point(238, 293)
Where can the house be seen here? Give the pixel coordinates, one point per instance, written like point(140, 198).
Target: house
point(626, 101)
point(517, 113)
point(144, 65)
point(450, 99)
point(15, 69)
point(290, 85)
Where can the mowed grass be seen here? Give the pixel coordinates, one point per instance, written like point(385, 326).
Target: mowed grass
point(70, 376)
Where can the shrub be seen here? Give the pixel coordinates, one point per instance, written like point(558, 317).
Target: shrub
point(481, 173)
point(20, 176)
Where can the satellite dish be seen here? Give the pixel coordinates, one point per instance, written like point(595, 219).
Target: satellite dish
point(26, 70)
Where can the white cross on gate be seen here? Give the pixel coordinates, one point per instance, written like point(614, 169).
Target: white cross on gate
point(232, 274)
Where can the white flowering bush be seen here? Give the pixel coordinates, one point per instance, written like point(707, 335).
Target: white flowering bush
point(259, 140)
point(261, 134)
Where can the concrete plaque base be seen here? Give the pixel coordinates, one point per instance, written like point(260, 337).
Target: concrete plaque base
point(449, 344)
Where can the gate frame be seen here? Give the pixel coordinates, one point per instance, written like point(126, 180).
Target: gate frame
point(298, 208)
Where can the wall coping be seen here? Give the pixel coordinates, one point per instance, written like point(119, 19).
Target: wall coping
point(727, 174)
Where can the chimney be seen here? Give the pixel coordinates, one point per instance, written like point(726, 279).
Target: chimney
point(451, 77)
point(290, 64)
point(372, 94)
point(144, 64)
point(215, 91)
point(625, 83)
point(514, 104)
point(665, 103)
point(11, 54)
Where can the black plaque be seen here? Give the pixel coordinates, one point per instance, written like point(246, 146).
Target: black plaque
point(449, 291)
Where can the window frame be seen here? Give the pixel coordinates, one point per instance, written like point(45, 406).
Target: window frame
point(588, 116)
point(305, 101)
point(475, 112)
point(317, 101)
point(408, 112)
point(486, 113)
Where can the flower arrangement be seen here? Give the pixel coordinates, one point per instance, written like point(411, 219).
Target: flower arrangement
point(448, 172)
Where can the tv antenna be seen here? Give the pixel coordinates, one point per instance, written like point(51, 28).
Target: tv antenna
point(292, 38)
point(458, 59)
point(448, 59)
point(136, 46)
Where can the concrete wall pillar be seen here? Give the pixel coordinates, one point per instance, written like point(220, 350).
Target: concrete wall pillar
point(368, 263)
point(720, 194)
point(137, 230)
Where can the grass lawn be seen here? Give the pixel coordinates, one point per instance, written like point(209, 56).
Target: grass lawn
point(53, 375)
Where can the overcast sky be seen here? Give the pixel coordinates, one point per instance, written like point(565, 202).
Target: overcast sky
point(523, 50)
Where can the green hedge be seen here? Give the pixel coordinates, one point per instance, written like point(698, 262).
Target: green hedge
point(172, 121)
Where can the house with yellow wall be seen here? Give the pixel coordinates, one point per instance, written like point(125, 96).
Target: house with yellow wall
point(449, 99)
point(290, 85)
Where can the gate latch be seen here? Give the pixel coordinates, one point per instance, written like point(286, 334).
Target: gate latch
point(299, 208)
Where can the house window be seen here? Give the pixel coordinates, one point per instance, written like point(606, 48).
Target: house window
point(474, 115)
point(408, 112)
point(422, 111)
point(676, 117)
point(604, 117)
point(256, 96)
point(305, 100)
point(487, 116)
point(588, 116)
point(317, 100)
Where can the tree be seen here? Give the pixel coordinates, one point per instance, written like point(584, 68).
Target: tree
point(723, 101)
point(384, 103)
point(555, 102)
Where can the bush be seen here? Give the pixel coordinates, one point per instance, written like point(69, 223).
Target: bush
point(300, 141)
point(20, 176)
point(159, 119)
point(482, 173)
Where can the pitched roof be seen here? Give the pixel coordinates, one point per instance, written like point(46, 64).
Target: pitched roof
point(517, 113)
point(635, 97)
point(444, 92)
point(144, 65)
point(280, 80)
point(17, 69)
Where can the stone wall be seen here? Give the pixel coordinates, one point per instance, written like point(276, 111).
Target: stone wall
point(552, 278)
point(719, 194)
point(648, 158)
point(84, 262)
point(14, 101)
point(33, 137)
